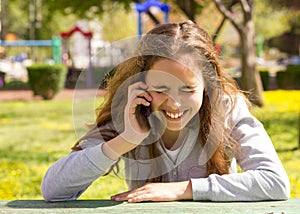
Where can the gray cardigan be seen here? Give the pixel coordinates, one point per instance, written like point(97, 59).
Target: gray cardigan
point(263, 176)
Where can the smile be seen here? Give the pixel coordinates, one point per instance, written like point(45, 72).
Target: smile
point(174, 115)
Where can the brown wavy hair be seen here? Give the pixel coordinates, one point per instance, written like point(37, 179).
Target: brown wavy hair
point(212, 113)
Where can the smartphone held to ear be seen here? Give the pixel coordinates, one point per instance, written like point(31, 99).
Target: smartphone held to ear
point(145, 110)
point(143, 113)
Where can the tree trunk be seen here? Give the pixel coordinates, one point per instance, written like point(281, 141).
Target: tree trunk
point(188, 8)
point(251, 81)
point(3, 18)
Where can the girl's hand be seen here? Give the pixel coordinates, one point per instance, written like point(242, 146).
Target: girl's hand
point(158, 192)
point(136, 126)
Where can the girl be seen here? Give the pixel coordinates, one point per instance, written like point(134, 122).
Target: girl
point(179, 124)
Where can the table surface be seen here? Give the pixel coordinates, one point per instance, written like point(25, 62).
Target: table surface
point(291, 206)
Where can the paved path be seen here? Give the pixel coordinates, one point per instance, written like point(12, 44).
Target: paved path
point(27, 95)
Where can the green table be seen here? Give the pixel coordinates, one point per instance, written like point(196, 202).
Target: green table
point(291, 206)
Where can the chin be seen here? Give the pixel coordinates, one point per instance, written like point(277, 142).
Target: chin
point(174, 127)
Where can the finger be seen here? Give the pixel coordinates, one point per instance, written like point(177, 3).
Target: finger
point(124, 194)
point(141, 101)
point(142, 85)
point(145, 95)
point(138, 94)
point(138, 86)
point(136, 196)
point(137, 102)
point(140, 198)
point(121, 194)
point(127, 194)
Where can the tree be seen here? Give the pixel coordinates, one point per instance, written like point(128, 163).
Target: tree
point(241, 17)
point(85, 9)
point(10, 12)
point(277, 4)
point(22, 17)
point(288, 40)
point(266, 16)
point(238, 12)
point(111, 20)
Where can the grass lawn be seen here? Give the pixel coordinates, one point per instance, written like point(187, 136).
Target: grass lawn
point(35, 134)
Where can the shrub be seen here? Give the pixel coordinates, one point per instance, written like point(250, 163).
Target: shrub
point(14, 85)
point(289, 79)
point(264, 75)
point(2, 79)
point(72, 77)
point(46, 80)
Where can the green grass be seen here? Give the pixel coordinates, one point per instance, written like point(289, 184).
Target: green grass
point(35, 134)
point(280, 117)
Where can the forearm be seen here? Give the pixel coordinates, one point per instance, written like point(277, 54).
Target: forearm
point(185, 190)
point(253, 185)
point(118, 146)
point(67, 178)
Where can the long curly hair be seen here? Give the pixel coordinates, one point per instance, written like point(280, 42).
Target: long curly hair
point(185, 38)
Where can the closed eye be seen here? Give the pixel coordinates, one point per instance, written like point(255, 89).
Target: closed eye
point(188, 89)
point(160, 89)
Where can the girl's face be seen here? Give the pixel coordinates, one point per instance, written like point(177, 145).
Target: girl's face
point(176, 92)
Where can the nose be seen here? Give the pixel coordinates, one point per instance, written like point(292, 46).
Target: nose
point(173, 103)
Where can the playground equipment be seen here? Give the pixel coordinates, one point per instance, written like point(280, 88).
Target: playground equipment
point(59, 49)
point(145, 6)
point(88, 35)
point(14, 67)
point(55, 43)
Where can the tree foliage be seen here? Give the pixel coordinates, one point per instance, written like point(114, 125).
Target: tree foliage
point(238, 12)
point(274, 17)
point(265, 17)
point(280, 4)
point(15, 18)
point(46, 22)
point(113, 29)
point(240, 15)
point(86, 9)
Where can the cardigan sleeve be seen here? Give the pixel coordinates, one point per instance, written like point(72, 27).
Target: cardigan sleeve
point(70, 176)
point(263, 176)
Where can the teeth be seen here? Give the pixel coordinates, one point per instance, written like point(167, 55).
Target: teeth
point(174, 116)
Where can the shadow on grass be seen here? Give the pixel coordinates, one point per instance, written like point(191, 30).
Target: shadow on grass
point(41, 204)
point(287, 149)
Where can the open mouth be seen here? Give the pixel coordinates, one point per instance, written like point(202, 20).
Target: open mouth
point(174, 115)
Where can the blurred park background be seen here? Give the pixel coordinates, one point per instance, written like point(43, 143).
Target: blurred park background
point(47, 47)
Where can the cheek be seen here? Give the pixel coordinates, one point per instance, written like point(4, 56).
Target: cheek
point(195, 101)
point(157, 100)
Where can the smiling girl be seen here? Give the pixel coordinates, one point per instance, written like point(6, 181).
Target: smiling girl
point(179, 124)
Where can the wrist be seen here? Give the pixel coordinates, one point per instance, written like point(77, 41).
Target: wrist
point(133, 138)
point(186, 191)
point(116, 147)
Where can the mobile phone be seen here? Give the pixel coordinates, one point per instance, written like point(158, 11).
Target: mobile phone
point(144, 112)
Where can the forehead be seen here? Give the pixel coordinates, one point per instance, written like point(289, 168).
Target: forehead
point(169, 71)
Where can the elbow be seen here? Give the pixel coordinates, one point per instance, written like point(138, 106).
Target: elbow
point(53, 193)
point(47, 192)
point(48, 198)
point(274, 186)
point(285, 190)
point(46, 195)
point(50, 192)
point(281, 189)
point(53, 196)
